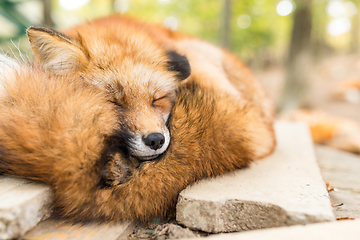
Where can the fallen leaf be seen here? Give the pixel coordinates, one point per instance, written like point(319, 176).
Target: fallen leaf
point(330, 188)
point(336, 205)
point(345, 218)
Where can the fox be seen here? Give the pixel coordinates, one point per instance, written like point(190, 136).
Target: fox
point(81, 114)
point(56, 129)
point(135, 63)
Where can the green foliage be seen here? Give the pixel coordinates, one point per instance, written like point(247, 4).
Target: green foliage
point(203, 18)
point(8, 9)
point(263, 30)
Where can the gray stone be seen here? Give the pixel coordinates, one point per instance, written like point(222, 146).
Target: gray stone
point(346, 203)
point(343, 170)
point(283, 189)
point(349, 230)
point(22, 206)
point(56, 230)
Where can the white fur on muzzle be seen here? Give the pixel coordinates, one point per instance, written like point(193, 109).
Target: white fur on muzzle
point(144, 152)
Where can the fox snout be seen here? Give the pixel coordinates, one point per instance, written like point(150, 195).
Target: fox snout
point(154, 140)
point(147, 147)
point(148, 126)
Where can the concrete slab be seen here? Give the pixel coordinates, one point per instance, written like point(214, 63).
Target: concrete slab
point(283, 189)
point(349, 230)
point(343, 170)
point(8, 183)
point(58, 230)
point(347, 203)
point(22, 206)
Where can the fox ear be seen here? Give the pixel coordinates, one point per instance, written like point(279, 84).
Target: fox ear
point(179, 64)
point(55, 51)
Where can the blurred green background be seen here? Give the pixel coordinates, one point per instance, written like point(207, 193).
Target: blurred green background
point(258, 31)
point(289, 35)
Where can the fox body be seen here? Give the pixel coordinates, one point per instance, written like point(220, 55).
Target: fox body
point(141, 65)
point(112, 82)
point(57, 131)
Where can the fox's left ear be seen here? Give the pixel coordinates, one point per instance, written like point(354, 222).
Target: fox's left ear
point(56, 51)
point(179, 64)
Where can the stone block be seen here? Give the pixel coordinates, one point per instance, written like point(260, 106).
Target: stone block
point(339, 167)
point(58, 230)
point(283, 189)
point(337, 230)
point(22, 206)
point(342, 169)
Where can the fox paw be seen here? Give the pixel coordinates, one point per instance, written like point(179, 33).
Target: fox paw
point(118, 170)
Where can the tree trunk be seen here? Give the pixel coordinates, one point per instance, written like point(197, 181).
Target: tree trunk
point(225, 30)
point(296, 87)
point(354, 44)
point(47, 13)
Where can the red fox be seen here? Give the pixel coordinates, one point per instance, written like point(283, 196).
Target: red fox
point(112, 83)
point(141, 65)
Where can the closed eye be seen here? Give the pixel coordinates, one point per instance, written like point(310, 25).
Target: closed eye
point(113, 101)
point(164, 104)
point(160, 98)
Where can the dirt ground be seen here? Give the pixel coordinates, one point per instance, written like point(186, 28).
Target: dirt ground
point(160, 231)
point(325, 77)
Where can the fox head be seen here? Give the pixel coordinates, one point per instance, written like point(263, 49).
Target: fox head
point(140, 76)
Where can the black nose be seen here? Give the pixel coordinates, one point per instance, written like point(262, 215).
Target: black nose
point(154, 140)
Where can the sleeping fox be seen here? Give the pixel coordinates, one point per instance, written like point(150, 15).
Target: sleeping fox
point(107, 86)
point(140, 65)
point(58, 130)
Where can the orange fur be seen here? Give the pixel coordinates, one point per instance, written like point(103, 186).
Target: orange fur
point(54, 131)
point(221, 119)
point(129, 53)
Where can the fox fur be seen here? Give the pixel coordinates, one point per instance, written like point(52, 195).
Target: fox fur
point(131, 58)
point(63, 127)
point(55, 130)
